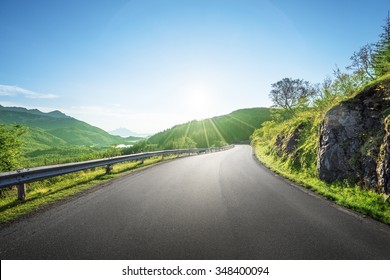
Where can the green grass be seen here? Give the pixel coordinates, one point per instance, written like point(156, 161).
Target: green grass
point(58, 155)
point(353, 197)
point(43, 193)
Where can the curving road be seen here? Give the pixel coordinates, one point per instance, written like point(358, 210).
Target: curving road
point(215, 206)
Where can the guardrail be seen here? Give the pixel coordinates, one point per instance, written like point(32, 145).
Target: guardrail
point(21, 177)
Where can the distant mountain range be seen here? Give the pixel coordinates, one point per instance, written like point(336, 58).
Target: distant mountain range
point(55, 129)
point(124, 132)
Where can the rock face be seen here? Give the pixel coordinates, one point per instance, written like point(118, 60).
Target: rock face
point(286, 144)
point(383, 169)
point(339, 142)
point(353, 142)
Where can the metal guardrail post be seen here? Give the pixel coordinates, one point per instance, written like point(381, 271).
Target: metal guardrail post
point(21, 192)
point(108, 168)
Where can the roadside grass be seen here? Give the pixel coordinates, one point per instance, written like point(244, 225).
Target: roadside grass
point(45, 192)
point(350, 196)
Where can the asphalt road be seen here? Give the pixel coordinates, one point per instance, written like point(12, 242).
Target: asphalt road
point(215, 206)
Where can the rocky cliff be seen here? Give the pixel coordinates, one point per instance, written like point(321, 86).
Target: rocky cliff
point(354, 141)
point(383, 169)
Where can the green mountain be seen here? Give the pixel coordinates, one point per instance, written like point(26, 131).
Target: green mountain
point(55, 129)
point(235, 127)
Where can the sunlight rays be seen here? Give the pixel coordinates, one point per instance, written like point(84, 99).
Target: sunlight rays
point(205, 134)
point(241, 121)
point(169, 136)
point(188, 129)
point(217, 131)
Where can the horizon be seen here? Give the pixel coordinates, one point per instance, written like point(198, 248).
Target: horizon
point(133, 133)
point(149, 65)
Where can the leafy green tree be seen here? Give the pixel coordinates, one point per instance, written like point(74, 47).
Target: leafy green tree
point(362, 62)
point(346, 84)
point(381, 58)
point(10, 147)
point(290, 94)
point(341, 86)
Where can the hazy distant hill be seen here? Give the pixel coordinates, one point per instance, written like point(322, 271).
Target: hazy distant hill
point(55, 129)
point(124, 132)
point(232, 128)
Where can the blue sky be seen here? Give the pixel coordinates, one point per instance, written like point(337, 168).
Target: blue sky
point(149, 64)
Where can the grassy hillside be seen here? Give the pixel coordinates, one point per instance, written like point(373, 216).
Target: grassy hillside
point(55, 129)
point(217, 131)
point(57, 138)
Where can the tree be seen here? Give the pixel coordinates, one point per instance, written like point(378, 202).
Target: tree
point(10, 147)
point(290, 94)
point(346, 84)
point(341, 86)
point(381, 58)
point(362, 62)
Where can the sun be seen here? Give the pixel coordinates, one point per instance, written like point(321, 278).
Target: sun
point(199, 103)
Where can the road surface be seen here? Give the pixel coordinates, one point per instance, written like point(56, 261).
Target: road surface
point(216, 206)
